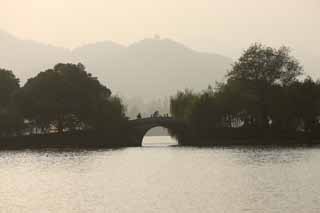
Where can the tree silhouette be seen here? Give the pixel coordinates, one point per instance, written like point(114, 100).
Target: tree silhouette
point(258, 69)
point(10, 120)
point(65, 97)
point(9, 84)
point(262, 95)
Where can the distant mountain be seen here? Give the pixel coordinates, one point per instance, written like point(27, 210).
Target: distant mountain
point(26, 58)
point(150, 68)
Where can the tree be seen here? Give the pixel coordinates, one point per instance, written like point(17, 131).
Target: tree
point(258, 69)
point(262, 90)
point(182, 103)
point(110, 114)
point(65, 98)
point(305, 98)
point(9, 84)
point(10, 121)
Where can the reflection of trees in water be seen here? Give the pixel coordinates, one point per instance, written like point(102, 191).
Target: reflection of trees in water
point(270, 155)
point(76, 160)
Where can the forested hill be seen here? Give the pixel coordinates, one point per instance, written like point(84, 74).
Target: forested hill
point(149, 68)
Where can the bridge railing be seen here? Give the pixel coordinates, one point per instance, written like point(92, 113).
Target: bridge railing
point(156, 120)
point(152, 119)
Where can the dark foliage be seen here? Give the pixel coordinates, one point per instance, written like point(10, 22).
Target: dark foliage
point(10, 119)
point(261, 94)
point(63, 99)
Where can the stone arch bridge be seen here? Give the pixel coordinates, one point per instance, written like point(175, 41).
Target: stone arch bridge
point(141, 126)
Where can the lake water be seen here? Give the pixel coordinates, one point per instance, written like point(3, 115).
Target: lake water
point(161, 179)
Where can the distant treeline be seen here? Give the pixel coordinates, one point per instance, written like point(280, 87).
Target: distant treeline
point(265, 91)
point(63, 99)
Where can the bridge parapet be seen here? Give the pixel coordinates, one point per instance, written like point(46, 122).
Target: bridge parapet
point(152, 119)
point(142, 125)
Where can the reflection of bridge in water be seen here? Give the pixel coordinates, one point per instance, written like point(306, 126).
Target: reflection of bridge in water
point(142, 125)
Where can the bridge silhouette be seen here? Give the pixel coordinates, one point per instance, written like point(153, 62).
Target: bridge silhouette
point(141, 126)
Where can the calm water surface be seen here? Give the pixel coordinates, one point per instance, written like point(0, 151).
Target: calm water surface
point(161, 179)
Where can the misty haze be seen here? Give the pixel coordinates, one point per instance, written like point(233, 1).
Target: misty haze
point(159, 106)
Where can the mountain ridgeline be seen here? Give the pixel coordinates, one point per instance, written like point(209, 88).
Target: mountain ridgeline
point(150, 68)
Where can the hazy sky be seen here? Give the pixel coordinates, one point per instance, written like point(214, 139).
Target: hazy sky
point(222, 26)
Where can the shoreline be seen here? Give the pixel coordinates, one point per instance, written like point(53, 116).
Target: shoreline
point(72, 140)
point(95, 141)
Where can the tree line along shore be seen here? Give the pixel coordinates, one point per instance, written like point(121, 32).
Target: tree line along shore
point(265, 95)
point(265, 98)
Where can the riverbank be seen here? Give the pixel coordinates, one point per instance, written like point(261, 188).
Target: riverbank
point(253, 142)
point(252, 137)
point(98, 140)
point(80, 139)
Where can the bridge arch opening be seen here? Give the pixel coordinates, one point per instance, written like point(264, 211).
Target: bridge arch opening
point(158, 136)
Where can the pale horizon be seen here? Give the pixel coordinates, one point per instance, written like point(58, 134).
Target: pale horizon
point(224, 27)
